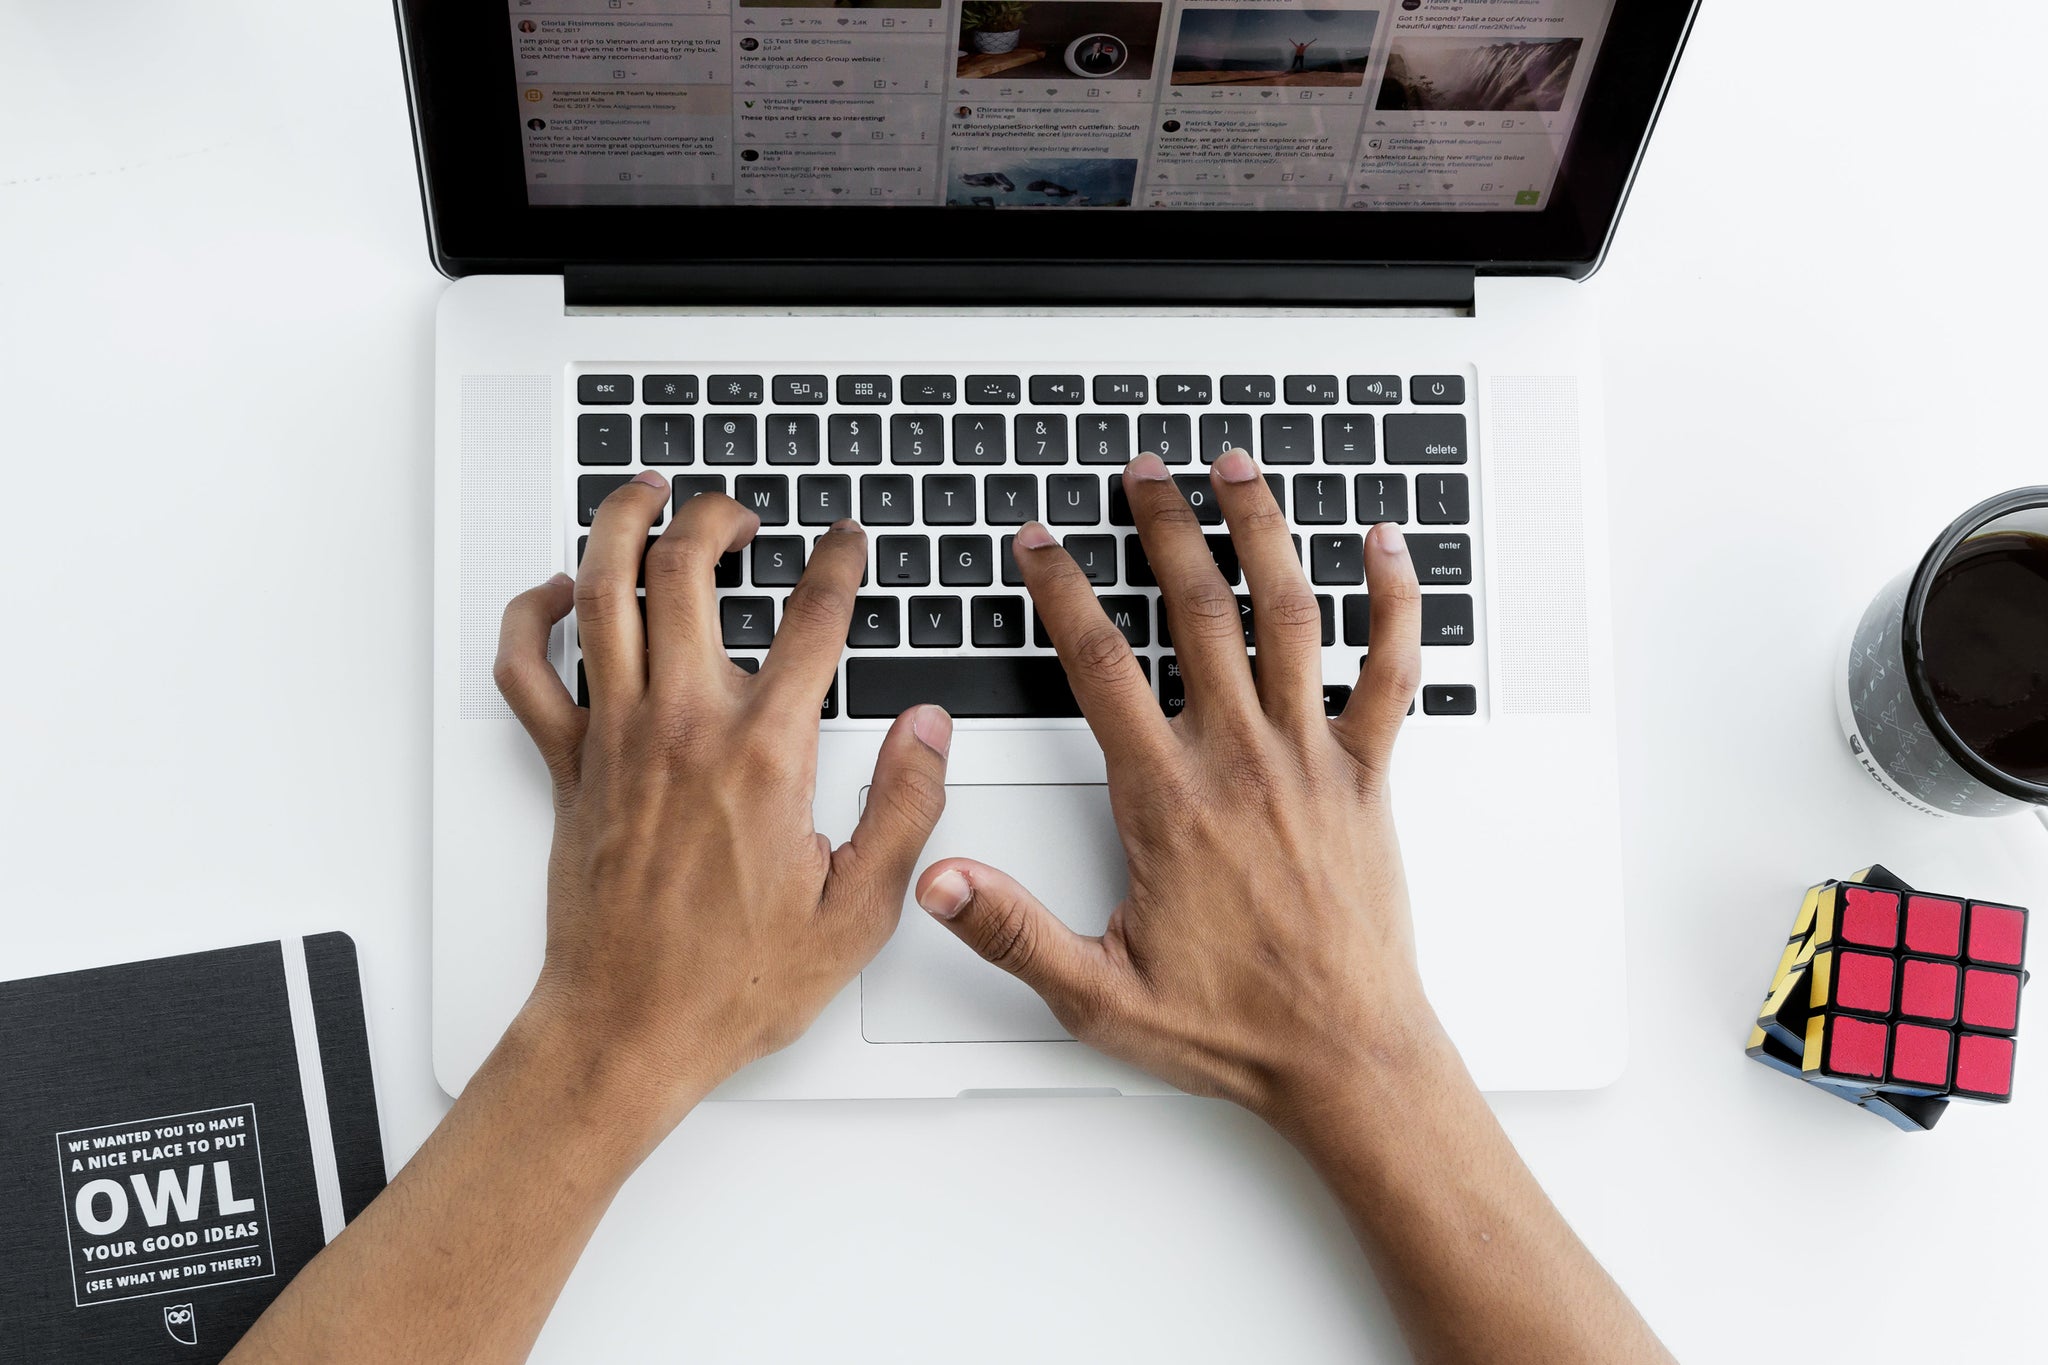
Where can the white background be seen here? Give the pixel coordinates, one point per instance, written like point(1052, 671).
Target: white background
point(215, 328)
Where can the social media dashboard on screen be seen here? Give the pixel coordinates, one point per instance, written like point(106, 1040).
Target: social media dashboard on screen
point(1413, 105)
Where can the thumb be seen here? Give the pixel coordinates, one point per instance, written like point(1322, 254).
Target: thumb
point(994, 915)
point(904, 803)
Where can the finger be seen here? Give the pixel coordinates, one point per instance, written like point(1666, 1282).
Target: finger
point(805, 656)
point(1112, 690)
point(683, 633)
point(991, 913)
point(529, 683)
point(1286, 625)
point(871, 870)
point(1393, 664)
point(608, 626)
point(1208, 630)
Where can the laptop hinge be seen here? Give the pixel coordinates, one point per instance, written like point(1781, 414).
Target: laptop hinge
point(1016, 284)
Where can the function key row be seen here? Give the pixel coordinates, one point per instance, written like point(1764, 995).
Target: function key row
point(1043, 438)
point(1008, 390)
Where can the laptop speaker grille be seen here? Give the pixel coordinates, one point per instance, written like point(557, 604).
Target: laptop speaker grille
point(507, 520)
point(1539, 548)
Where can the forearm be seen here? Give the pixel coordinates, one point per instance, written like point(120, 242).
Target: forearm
point(1478, 1264)
point(462, 1257)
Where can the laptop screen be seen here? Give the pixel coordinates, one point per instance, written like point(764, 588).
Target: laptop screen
point(1430, 106)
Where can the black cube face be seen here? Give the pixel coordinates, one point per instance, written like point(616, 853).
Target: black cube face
point(1910, 1113)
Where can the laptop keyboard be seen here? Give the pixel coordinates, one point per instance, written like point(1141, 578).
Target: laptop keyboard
point(941, 468)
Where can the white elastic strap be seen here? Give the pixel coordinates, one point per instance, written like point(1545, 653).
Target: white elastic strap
point(298, 989)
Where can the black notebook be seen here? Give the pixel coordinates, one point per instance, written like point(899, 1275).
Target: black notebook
point(177, 1139)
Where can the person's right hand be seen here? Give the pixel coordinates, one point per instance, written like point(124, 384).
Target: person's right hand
point(1265, 943)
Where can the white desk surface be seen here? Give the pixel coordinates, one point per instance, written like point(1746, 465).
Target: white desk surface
point(216, 316)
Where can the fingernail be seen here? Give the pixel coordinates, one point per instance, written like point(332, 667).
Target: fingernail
point(932, 725)
point(1146, 466)
point(650, 478)
point(1033, 536)
point(561, 580)
point(846, 526)
point(948, 894)
point(1236, 467)
point(1390, 538)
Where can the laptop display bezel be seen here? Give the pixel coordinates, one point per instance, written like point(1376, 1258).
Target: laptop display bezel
point(461, 82)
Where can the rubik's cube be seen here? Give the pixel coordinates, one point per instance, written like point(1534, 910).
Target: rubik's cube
point(1897, 1000)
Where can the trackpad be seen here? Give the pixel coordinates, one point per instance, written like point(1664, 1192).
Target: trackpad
point(926, 986)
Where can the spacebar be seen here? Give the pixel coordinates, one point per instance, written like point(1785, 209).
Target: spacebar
point(989, 685)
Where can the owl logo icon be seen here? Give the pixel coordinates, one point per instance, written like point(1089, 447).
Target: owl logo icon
point(182, 1322)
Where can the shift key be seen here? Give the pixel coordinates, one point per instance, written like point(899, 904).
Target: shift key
point(1441, 556)
point(1424, 437)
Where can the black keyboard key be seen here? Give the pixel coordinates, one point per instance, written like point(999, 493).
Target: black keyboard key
point(854, 438)
point(1446, 618)
point(1131, 614)
point(800, 388)
point(746, 663)
point(1278, 484)
point(1169, 435)
point(604, 438)
point(1201, 496)
point(1441, 499)
point(1041, 438)
point(1012, 498)
point(949, 499)
point(1380, 497)
point(829, 708)
point(1441, 557)
point(966, 561)
point(1224, 552)
point(1319, 499)
point(1013, 577)
point(977, 439)
point(935, 623)
point(1223, 432)
point(1120, 513)
point(885, 499)
point(604, 388)
point(917, 438)
point(873, 627)
point(1244, 619)
point(729, 439)
point(592, 489)
point(861, 389)
point(1337, 559)
point(1057, 388)
point(1121, 388)
point(1336, 696)
point(903, 561)
point(1137, 566)
point(583, 543)
point(1318, 389)
point(1357, 619)
point(727, 573)
point(1287, 438)
point(793, 438)
point(668, 438)
point(747, 622)
point(927, 388)
point(778, 561)
point(1363, 389)
point(1450, 699)
point(1097, 557)
point(1074, 499)
point(969, 686)
point(1103, 437)
point(1347, 438)
point(1173, 690)
point(683, 487)
point(732, 390)
point(765, 495)
point(998, 622)
point(993, 390)
point(667, 390)
point(1432, 389)
point(1425, 437)
point(1249, 390)
point(822, 499)
point(1184, 390)
point(1326, 607)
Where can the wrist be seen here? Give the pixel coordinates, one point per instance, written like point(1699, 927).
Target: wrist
point(1363, 1082)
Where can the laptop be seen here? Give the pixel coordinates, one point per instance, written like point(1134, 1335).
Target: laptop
point(946, 267)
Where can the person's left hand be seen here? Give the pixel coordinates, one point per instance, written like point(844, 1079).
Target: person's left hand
point(696, 917)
